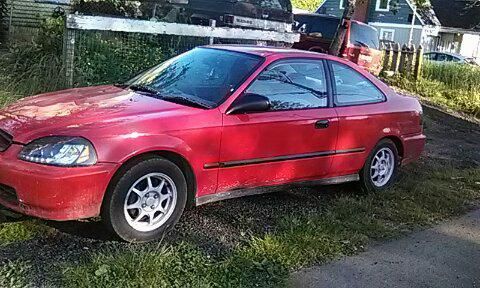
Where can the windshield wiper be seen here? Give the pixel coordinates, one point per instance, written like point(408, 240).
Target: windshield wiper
point(143, 88)
point(185, 101)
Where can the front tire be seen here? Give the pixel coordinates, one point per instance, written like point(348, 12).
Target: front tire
point(145, 200)
point(381, 168)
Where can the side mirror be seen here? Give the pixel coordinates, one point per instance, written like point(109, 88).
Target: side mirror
point(249, 102)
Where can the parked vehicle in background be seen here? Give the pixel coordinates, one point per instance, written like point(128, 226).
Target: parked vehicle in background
point(361, 45)
point(214, 123)
point(449, 57)
point(257, 14)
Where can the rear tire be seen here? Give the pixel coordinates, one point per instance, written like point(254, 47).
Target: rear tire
point(381, 167)
point(145, 201)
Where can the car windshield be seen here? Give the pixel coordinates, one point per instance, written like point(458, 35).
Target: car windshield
point(327, 26)
point(202, 77)
point(364, 35)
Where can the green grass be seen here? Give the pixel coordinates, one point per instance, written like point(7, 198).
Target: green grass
point(13, 274)
point(348, 223)
point(441, 94)
point(454, 76)
point(11, 232)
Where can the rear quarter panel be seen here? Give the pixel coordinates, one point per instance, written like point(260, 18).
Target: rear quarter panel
point(363, 126)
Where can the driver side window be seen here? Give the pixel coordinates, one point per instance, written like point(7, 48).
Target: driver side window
point(292, 85)
point(352, 88)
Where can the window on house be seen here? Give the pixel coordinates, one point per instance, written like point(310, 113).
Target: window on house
point(410, 18)
point(387, 34)
point(383, 5)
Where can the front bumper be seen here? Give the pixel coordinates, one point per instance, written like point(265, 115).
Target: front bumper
point(54, 193)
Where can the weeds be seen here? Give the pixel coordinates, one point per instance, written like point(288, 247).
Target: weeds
point(347, 225)
point(454, 76)
point(11, 232)
point(441, 94)
point(13, 274)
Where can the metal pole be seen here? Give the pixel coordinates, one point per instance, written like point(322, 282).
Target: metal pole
point(410, 38)
point(213, 24)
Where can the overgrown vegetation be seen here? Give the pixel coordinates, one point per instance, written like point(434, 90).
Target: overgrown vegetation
point(11, 232)
point(454, 86)
point(37, 67)
point(454, 76)
point(116, 58)
point(13, 274)
point(348, 223)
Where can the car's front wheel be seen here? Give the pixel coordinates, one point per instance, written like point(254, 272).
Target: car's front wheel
point(146, 200)
point(380, 170)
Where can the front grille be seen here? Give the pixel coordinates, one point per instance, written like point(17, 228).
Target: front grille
point(8, 193)
point(5, 140)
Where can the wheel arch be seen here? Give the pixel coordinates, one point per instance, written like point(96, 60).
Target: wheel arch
point(174, 157)
point(398, 143)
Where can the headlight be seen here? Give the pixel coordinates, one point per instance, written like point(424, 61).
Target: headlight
point(60, 151)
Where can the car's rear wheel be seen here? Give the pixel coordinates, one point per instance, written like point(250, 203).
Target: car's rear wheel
point(381, 168)
point(146, 200)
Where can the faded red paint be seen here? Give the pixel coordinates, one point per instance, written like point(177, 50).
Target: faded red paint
point(122, 125)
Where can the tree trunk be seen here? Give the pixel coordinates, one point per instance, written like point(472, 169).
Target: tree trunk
point(342, 28)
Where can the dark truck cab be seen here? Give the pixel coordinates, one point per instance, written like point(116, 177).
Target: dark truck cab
point(361, 44)
point(257, 14)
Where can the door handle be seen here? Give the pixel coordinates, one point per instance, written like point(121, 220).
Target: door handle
point(322, 124)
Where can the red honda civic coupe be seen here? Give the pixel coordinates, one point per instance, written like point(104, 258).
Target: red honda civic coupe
point(213, 123)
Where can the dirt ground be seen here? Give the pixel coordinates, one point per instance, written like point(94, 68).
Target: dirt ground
point(216, 228)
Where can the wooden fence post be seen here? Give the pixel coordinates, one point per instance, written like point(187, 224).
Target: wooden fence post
point(410, 59)
point(395, 58)
point(403, 59)
point(387, 55)
point(417, 71)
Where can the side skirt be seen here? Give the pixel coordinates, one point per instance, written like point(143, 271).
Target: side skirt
point(236, 193)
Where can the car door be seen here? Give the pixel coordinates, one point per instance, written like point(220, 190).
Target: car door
point(360, 107)
point(293, 141)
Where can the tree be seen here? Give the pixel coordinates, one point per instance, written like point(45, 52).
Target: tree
point(350, 6)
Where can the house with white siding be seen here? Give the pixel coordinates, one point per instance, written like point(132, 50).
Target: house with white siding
point(447, 25)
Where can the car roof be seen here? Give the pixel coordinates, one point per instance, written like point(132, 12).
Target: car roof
point(263, 51)
point(448, 53)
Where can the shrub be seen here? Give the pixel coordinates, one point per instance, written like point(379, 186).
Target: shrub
point(36, 67)
point(114, 58)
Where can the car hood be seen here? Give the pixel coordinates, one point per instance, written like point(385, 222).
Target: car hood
point(70, 111)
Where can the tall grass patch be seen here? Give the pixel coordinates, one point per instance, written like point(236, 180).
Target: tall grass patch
point(454, 76)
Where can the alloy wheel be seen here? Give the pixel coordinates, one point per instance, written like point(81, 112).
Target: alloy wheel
point(150, 202)
point(382, 167)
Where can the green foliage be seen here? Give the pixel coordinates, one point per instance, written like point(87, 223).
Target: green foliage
point(13, 274)
point(310, 5)
point(453, 86)
point(20, 231)
point(37, 67)
point(347, 223)
point(454, 76)
point(113, 59)
point(105, 7)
